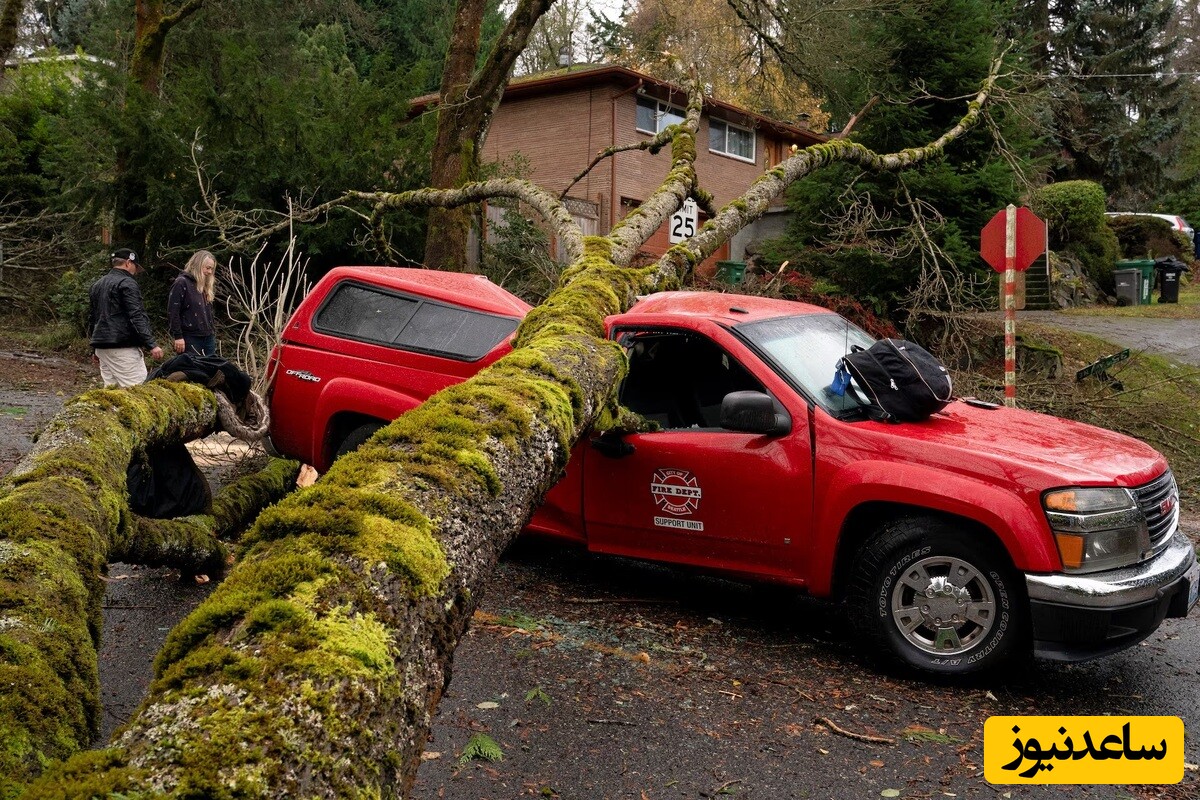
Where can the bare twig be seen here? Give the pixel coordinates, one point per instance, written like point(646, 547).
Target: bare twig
point(724, 786)
point(653, 145)
point(858, 737)
point(261, 297)
point(619, 601)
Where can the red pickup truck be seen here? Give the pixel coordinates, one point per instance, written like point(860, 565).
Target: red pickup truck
point(959, 541)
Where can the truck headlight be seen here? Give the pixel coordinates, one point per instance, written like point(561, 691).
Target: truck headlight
point(1096, 528)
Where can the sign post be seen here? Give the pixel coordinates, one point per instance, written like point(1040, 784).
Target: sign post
point(1010, 242)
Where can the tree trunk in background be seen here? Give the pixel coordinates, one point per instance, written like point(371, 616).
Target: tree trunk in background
point(150, 30)
point(468, 100)
point(10, 20)
point(453, 159)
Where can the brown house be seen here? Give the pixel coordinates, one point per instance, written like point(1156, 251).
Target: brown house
point(558, 122)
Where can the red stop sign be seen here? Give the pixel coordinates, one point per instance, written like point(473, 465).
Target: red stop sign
point(1031, 239)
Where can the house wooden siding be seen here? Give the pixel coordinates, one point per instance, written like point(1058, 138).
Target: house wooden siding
point(558, 127)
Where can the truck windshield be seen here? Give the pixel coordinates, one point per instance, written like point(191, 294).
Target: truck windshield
point(805, 350)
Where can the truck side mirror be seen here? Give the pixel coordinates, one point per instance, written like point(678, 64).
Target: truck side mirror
point(754, 412)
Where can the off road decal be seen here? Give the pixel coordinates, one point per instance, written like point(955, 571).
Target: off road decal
point(677, 492)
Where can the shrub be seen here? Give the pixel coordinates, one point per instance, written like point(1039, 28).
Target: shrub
point(1149, 237)
point(517, 257)
point(72, 304)
point(1071, 209)
point(1074, 214)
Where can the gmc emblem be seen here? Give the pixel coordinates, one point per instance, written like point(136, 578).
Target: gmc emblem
point(1167, 506)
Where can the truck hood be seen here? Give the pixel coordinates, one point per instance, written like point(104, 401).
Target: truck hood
point(1037, 450)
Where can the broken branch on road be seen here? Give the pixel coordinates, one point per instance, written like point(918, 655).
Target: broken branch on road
point(858, 737)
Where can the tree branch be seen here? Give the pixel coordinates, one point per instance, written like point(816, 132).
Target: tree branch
point(551, 210)
point(62, 508)
point(193, 544)
point(653, 145)
point(757, 199)
point(854, 118)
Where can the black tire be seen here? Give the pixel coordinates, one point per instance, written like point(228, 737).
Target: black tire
point(969, 617)
point(356, 437)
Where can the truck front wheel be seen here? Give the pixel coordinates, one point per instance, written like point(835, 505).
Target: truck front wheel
point(935, 599)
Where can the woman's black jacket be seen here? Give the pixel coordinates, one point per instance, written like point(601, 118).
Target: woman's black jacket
point(187, 310)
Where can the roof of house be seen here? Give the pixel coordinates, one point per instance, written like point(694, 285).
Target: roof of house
point(17, 61)
point(585, 75)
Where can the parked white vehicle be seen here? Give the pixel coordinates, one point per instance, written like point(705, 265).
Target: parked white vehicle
point(1177, 222)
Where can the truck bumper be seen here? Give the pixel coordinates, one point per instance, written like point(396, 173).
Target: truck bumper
point(1078, 617)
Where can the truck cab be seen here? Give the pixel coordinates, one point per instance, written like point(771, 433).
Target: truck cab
point(959, 541)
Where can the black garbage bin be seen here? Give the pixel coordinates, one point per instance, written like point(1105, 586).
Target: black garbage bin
point(1169, 270)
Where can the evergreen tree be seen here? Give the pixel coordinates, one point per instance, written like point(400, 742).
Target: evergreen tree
point(1116, 101)
point(412, 34)
point(862, 242)
point(272, 94)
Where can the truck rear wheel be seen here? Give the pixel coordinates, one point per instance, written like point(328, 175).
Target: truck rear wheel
point(935, 599)
point(355, 438)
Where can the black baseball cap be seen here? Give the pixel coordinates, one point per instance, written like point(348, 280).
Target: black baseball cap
point(125, 254)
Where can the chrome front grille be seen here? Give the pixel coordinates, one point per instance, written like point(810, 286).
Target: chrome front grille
point(1159, 502)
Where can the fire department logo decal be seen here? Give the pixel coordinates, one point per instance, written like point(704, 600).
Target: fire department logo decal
point(675, 491)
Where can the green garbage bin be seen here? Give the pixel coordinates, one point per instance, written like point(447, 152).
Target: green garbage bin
point(734, 271)
point(1145, 266)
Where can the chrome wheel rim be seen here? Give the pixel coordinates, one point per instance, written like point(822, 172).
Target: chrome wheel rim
point(943, 605)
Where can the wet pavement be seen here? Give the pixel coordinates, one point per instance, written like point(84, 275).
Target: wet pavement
point(141, 605)
point(1178, 339)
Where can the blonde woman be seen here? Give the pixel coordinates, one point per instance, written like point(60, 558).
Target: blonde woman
point(189, 307)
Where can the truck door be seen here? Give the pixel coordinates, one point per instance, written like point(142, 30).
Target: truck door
point(693, 492)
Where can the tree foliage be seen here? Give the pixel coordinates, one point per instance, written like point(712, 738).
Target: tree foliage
point(1116, 100)
point(1074, 215)
point(277, 101)
point(832, 46)
point(38, 231)
point(566, 28)
point(736, 66)
point(866, 234)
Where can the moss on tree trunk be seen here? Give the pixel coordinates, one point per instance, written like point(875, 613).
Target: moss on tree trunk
point(63, 514)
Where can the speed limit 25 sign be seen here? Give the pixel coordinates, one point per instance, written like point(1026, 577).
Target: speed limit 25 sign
point(683, 222)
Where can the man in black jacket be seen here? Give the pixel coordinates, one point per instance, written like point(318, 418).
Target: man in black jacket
point(119, 326)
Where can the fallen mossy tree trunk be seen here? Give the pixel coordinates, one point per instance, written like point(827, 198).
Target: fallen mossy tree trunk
point(315, 667)
point(63, 515)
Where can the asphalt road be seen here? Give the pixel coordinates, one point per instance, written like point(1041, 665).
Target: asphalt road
point(659, 683)
point(1177, 338)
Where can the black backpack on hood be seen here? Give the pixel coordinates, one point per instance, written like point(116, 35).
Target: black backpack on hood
point(901, 380)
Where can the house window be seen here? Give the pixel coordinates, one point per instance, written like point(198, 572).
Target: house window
point(654, 115)
point(730, 140)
